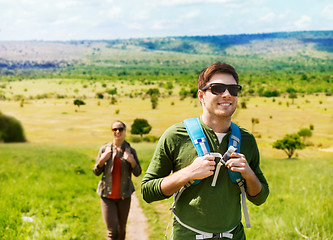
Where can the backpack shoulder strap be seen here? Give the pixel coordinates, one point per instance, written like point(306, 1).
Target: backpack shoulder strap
point(197, 136)
point(236, 177)
point(235, 141)
point(235, 137)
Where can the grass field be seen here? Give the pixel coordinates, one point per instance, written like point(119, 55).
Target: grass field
point(54, 186)
point(49, 179)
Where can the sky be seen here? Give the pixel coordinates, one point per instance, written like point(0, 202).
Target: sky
point(64, 20)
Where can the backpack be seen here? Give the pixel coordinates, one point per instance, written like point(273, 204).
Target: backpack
point(201, 145)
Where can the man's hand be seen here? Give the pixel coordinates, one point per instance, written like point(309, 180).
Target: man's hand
point(238, 163)
point(201, 167)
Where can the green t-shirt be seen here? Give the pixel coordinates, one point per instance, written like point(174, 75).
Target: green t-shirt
point(209, 209)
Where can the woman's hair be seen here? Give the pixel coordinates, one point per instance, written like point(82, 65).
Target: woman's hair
point(218, 67)
point(124, 125)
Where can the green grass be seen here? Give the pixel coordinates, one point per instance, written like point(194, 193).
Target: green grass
point(54, 185)
point(300, 198)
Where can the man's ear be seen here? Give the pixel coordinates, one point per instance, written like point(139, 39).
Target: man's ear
point(201, 96)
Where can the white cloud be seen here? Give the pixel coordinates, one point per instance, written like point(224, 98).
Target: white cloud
point(159, 25)
point(115, 12)
point(191, 2)
point(61, 19)
point(67, 4)
point(190, 15)
point(328, 11)
point(269, 17)
point(141, 15)
point(303, 23)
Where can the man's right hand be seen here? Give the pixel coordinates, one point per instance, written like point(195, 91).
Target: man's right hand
point(201, 167)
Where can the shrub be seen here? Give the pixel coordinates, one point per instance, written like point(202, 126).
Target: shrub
point(140, 126)
point(150, 138)
point(134, 139)
point(289, 144)
point(11, 129)
point(269, 93)
point(99, 95)
point(79, 102)
point(243, 105)
point(154, 101)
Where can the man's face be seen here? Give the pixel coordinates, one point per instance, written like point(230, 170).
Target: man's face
point(221, 105)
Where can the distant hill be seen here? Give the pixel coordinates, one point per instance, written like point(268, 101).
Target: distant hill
point(264, 43)
point(282, 60)
point(281, 43)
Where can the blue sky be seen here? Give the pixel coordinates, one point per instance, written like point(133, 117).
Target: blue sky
point(121, 19)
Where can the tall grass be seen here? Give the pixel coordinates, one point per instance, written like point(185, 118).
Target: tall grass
point(54, 186)
point(300, 201)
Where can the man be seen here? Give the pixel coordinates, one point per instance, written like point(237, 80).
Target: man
point(202, 207)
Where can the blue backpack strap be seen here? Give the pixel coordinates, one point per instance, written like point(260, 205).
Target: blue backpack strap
point(236, 177)
point(198, 139)
point(197, 136)
point(235, 137)
point(235, 140)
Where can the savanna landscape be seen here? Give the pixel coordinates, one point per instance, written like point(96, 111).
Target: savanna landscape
point(47, 187)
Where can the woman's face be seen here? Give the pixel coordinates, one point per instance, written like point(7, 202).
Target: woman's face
point(118, 131)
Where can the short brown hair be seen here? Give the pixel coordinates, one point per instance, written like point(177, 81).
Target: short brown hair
point(218, 67)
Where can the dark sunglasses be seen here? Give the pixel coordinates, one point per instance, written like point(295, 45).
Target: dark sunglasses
point(117, 129)
point(219, 88)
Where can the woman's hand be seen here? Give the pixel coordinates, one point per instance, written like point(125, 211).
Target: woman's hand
point(128, 156)
point(104, 156)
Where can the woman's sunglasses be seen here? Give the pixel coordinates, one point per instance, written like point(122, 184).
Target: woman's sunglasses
point(219, 88)
point(117, 129)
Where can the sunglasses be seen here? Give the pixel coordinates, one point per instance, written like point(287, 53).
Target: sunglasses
point(117, 129)
point(219, 88)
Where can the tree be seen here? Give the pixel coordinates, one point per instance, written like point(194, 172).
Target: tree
point(79, 102)
point(154, 101)
point(304, 133)
point(289, 144)
point(11, 129)
point(112, 92)
point(140, 126)
point(292, 96)
point(254, 122)
point(99, 95)
point(154, 93)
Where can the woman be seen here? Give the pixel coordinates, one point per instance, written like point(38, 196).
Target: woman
point(116, 160)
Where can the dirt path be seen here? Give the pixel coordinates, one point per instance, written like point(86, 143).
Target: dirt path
point(137, 222)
